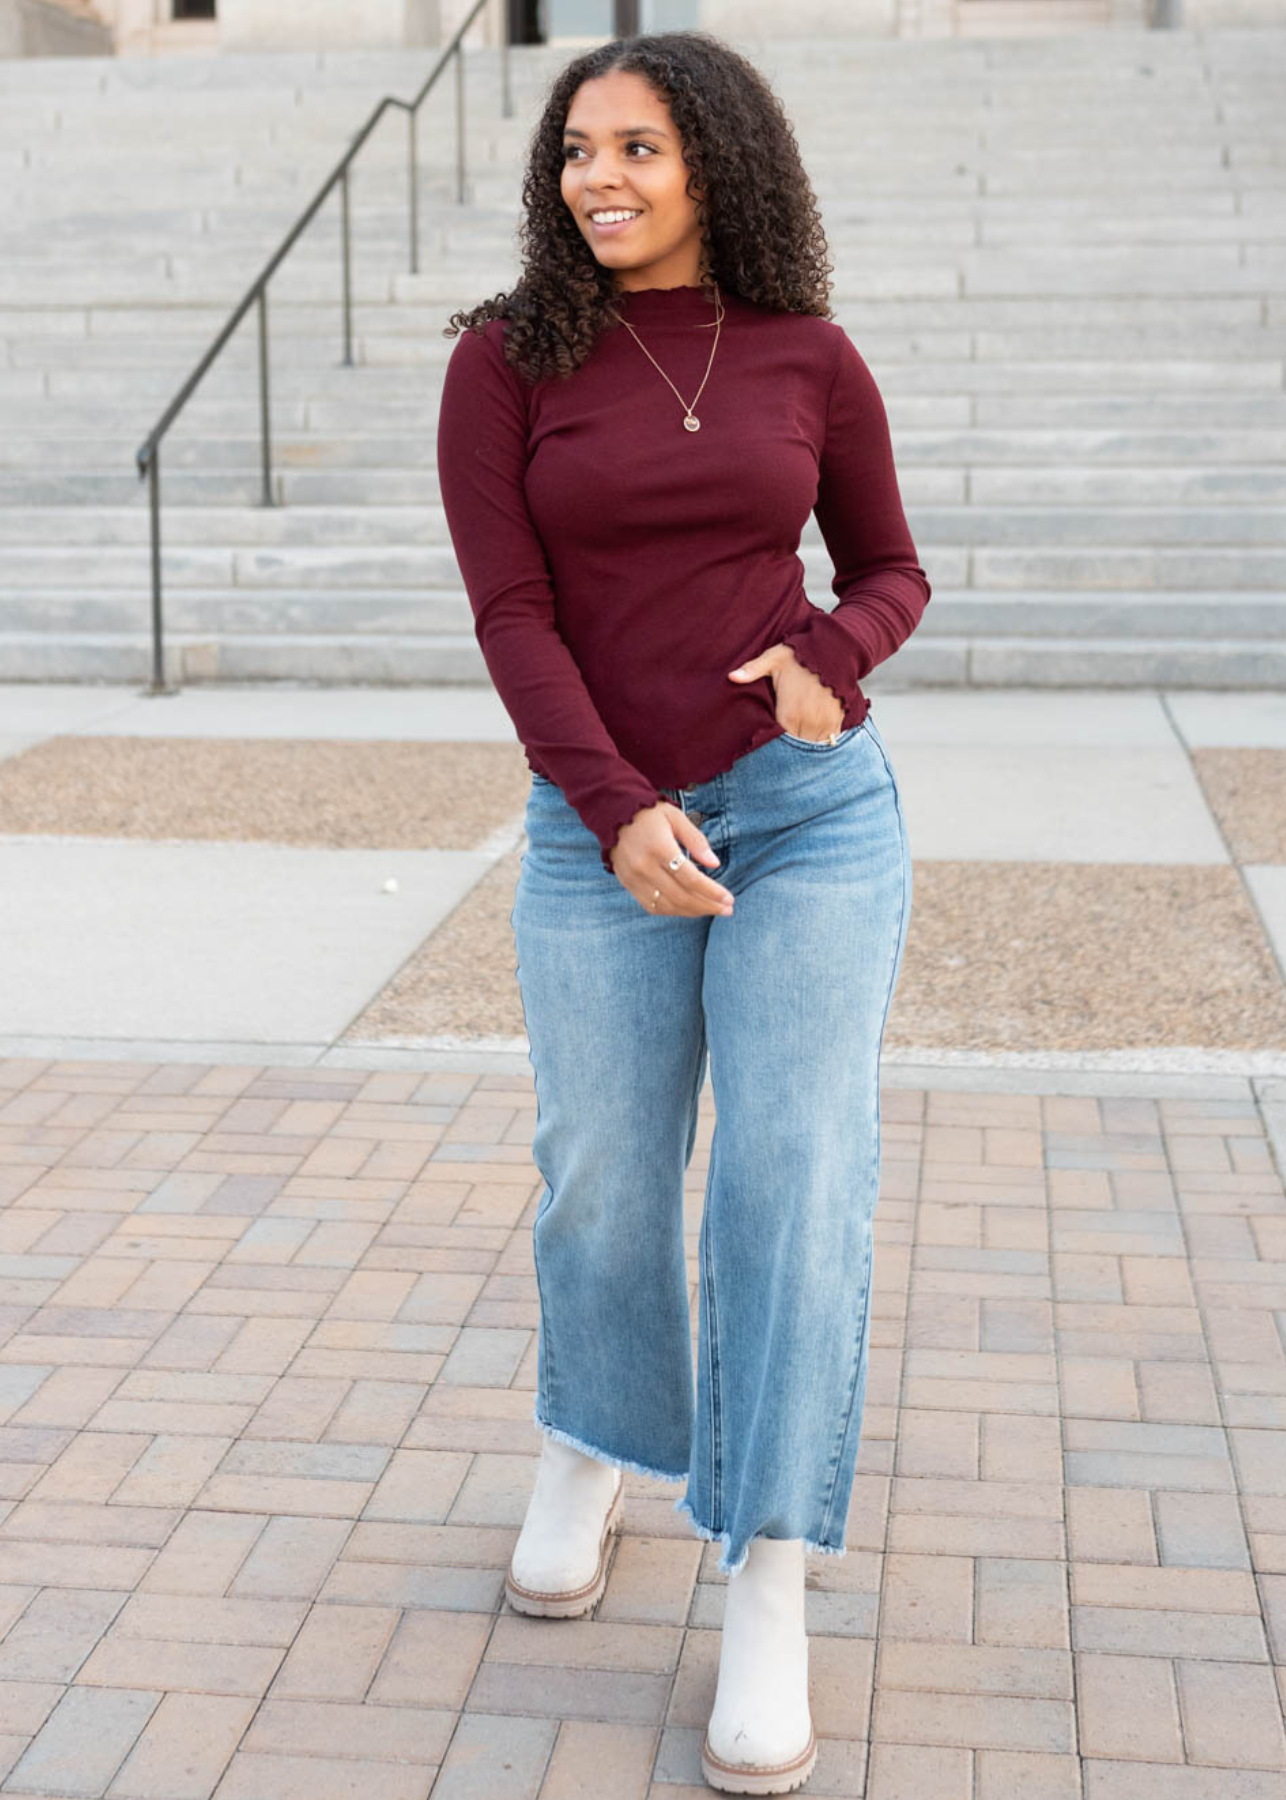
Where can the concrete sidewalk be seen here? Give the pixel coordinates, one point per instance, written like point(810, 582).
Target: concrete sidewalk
point(268, 1311)
point(1100, 877)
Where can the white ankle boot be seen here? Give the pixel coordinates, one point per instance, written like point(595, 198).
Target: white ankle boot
point(760, 1736)
point(559, 1565)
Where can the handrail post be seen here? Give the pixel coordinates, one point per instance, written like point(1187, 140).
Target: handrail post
point(506, 91)
point(265, 440)
point(159, 685)
point(459, 124)
point(413, 187)
point(348, 260)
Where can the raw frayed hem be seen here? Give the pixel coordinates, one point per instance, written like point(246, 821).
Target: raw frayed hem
point(684, 1505)
point(826, 1549)
point(726, 1565)
point(604, 1456)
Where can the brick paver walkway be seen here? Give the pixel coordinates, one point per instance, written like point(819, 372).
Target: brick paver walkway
point(266, 1375)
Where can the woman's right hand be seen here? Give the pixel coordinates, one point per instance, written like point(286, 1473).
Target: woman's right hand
point(643, 848)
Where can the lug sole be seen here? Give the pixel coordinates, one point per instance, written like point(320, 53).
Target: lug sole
point(751, 1778)
point(571, 1602)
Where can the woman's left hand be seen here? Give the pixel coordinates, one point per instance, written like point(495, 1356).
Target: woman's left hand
point(806, 707)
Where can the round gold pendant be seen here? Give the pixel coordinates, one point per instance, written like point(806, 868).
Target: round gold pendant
point(691, 423)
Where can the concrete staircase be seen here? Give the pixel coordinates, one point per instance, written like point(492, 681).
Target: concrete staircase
point(1063, 258)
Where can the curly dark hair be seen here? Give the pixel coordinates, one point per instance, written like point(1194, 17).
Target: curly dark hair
point(762, 236)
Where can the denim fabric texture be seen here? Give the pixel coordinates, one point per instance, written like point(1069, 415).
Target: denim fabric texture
point(786, 1001)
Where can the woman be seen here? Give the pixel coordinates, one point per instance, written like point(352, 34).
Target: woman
point(716, 866)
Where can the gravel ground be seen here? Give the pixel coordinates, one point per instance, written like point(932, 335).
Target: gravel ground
point(999, 956)
point(1085, 956)
point(461, 981)
point(349, 795)
point(1246, 790)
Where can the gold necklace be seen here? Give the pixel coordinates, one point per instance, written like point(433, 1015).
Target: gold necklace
point(690, 420)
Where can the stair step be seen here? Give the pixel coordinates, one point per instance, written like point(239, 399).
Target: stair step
point(1042, 566)
point(971, 616)
point(62, 497)
point(954, 442)
point(49, 535)
point(397, 661)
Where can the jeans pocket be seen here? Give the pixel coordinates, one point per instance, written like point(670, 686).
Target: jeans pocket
point(822, 744)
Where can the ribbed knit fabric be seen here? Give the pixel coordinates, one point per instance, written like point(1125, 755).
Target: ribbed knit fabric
point(620, 566)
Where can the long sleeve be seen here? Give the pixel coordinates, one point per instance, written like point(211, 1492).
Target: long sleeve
point(482, 458)
point(881, 589)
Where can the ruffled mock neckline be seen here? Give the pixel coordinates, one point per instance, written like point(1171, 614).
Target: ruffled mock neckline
point(684, 305)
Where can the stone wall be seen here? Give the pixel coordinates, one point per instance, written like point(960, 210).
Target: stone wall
point(327, 24)
point(1212, 15)
point(40, 28)
point(58, 27)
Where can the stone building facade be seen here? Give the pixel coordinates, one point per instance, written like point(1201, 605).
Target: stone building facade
point(131, 27)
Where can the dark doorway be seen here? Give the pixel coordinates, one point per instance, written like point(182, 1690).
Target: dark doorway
point(529, 20)
point(525, 23)
point(194, 9)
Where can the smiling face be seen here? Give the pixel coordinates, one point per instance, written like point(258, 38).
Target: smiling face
point(621, 153)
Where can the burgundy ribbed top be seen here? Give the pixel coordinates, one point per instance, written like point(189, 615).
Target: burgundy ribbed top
point(619, 566)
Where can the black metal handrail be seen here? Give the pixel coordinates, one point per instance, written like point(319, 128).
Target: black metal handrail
point(148, 457)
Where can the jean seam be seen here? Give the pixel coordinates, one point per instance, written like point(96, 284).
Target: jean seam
point(544, 1393)
point(712, 1349)
point(898, 939)
point(846, 1424)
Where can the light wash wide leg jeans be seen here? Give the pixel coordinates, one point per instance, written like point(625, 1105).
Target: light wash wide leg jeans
point(788, 1000)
